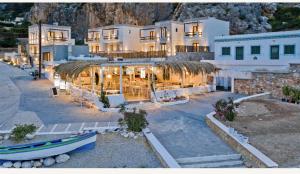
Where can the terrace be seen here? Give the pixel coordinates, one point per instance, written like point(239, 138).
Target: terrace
point(93, 36)
point(135, 81)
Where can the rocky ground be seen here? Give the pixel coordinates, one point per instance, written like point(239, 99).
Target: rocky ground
point(273, 127)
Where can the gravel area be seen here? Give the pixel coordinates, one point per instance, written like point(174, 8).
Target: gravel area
point(273, 127)
point(112, 151)
point(115, 151)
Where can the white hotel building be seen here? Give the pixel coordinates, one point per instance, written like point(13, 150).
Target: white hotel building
point(164, 38)
point(239, 55)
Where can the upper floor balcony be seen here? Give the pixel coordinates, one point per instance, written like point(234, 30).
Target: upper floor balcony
point(147, 35)
point(93, 36)
point(192, 29)
point(110, 34)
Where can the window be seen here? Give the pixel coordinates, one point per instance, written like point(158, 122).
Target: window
point(255, 49)
point(129, 31)
point(274, 52)
point(176, 29)
point(195, 47)
point(225, 51)
point(195, 29)
point(163, 32)
point(239, 53)
point(151, 35)
point(289, 49)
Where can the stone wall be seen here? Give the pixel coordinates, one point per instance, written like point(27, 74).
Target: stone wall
point(267, 82)
point(193, 56)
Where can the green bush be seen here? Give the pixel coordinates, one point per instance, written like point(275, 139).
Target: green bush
point(104, 99)
point(20, 131)
point(225, 110)
point(291, 93)
point(135, 121)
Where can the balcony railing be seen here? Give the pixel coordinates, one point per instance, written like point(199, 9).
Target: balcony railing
point(186, 48)
point(146, 38)
point(92, 39)
point(192, 34)
point(110, 37)
point(62, 39)
point(149, 54)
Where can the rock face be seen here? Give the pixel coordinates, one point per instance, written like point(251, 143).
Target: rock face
point(243, 17)
point(81, 16)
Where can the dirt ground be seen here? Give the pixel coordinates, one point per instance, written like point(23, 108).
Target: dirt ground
point(273, 127)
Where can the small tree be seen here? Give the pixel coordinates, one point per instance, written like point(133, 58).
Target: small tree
point(103, 98)
point(135, 121)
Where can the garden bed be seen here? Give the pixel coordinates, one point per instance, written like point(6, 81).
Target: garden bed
point(272, 127)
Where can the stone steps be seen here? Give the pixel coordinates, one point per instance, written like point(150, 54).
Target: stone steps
point(218, 161)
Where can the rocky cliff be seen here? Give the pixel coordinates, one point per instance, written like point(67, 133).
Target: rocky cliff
point(243, 17)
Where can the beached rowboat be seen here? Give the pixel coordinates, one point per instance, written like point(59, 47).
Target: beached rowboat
point(48, 148)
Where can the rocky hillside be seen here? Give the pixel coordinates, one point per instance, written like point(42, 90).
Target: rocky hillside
point(243, 17)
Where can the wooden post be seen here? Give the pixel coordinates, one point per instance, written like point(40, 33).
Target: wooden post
point(121, 79)
point(40, 48)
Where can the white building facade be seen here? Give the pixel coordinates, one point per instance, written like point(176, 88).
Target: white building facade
point(167, 37)
point(51, 35)
point(239, 55)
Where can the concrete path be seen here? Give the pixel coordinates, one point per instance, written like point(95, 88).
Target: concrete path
point(183, 131)
point(61, 109)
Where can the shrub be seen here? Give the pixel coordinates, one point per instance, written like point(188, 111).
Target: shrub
point(293, 94)
point(135, 121)
point(20, 131)
point(225, 109)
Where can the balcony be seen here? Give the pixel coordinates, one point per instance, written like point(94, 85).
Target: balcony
point(111, 37)
point(186, 48)
point(193, 34)
point(93, 39)
point(147, 38)
point(58, 39)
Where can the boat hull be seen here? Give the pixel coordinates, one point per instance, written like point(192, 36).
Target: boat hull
point(53, 151)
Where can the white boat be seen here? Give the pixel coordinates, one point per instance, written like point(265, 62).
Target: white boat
point(48, 148)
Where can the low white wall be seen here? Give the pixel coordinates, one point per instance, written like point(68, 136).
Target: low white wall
point(160, 95)
point(115, 100)
point(248, 147)
point(164, 156)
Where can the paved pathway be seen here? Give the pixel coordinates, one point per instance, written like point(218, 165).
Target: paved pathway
point(183, 131)
point(61, 109)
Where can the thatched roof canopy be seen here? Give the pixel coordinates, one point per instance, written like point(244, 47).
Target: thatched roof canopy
point(73, 69)
point(192, 67)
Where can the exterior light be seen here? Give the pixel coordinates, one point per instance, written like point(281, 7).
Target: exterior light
point(109, 76)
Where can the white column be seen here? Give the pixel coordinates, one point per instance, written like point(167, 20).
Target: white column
point(232, 84)
point(93, 80)
point(225, 82)
point(214, 85)
point(121, 81)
